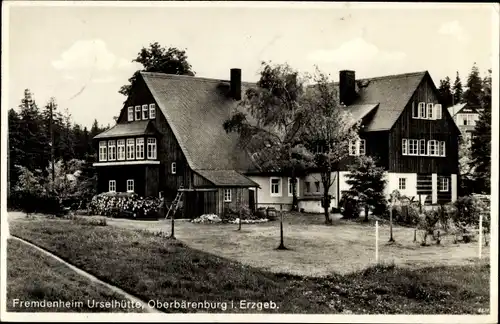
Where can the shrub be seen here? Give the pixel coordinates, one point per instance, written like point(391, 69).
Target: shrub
point(350, 206)
point(467, 211)
point(231, 214)
point(125, 205)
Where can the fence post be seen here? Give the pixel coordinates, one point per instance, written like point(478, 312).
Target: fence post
point(376, 242)
point(282, 243)
point(480, 234)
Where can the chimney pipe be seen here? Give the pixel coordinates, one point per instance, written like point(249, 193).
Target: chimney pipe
point(347, 86)
point(236, 84)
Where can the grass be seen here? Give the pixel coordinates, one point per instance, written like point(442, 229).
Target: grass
point(155, 268)
point(34, 276)
point(314, 249)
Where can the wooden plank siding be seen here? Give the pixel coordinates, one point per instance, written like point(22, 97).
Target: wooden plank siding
point(408, 127)
point(168, 149)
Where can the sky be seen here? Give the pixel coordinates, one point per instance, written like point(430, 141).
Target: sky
point(81, 54)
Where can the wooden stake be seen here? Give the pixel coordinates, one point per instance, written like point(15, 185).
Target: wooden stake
point(282, 243)
point(376, 241)
point(480, 234)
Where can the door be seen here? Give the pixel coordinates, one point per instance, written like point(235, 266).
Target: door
point(251, 200)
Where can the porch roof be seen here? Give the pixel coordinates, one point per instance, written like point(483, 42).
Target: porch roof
point(136, 128)
point(226, 178)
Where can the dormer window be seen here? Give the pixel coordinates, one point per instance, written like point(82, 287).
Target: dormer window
point(152, 111)
point(130, 113)
point(145, 111)
point(137, 112)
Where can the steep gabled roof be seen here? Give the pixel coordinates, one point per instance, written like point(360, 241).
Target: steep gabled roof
point(391, 92)
point(143, 127)
point(195, 109)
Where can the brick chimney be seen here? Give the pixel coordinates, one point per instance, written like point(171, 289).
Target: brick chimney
point(347, 86)
point(236, 84)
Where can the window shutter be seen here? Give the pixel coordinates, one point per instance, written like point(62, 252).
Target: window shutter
point(438, 111)
point(414, 109)
point(405, 146)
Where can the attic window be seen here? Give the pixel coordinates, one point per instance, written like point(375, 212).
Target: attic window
point(130, 113)
point(152, 111)
point(145, 111)
point(173, 168)
point(137, 112)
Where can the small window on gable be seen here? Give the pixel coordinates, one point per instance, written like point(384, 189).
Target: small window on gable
point(173, 168)
point(317, 186)
point(430, 111)
point(438, 111)
point(145, 112)
point(137, 112)
point(421, 110)
point(405, 146)
point(130, 111)
point(152, 111)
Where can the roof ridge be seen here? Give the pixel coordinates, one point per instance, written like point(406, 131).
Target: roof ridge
point(183, 76)
point(401, 75)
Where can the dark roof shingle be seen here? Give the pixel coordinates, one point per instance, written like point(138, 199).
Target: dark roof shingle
point(142, 127)
point(226, 178)
point(195, 109)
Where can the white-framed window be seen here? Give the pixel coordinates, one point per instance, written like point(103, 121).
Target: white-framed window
point(469, 119)
point(307, 186)
point(421, 145)
point(112, 186)
point(103, 151)
point(111, 150)
point(152, 111)
point(145, 111)
point(130, 111)
point(402, 184)
point(444, 184)
point(151, 148)
point(432, 148)
point(413, 146)
point(357, 148)
point(120, 144)
point(405, 146)
point(137, 112)
point(318, 186)
point(438, 111)
point(227, 195)
point(130, 149)
point(173, 168)
point(430, 111)
point(290, 187)
point(130, 185)
point(421, 110)
point(275, 184)
point(139, 150)
point(442, 148)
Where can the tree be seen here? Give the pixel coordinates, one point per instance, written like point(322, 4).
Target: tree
point(270, 122)
point(328, 133)
point(480, 151)
point(445, 92)
point(457, 90)
point(472, 96)
point(159, 59)
point(367, 182)
point(34, 143)
point(16, 155)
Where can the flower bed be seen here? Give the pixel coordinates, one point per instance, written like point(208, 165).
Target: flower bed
point(204, 219)
point(127, 205)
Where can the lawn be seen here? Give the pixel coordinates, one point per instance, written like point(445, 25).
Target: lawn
point(34, 276)
point(315, 249)
point(153, 267)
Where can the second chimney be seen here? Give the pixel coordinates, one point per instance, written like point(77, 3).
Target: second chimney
point(347, 87)
point(236, 84)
